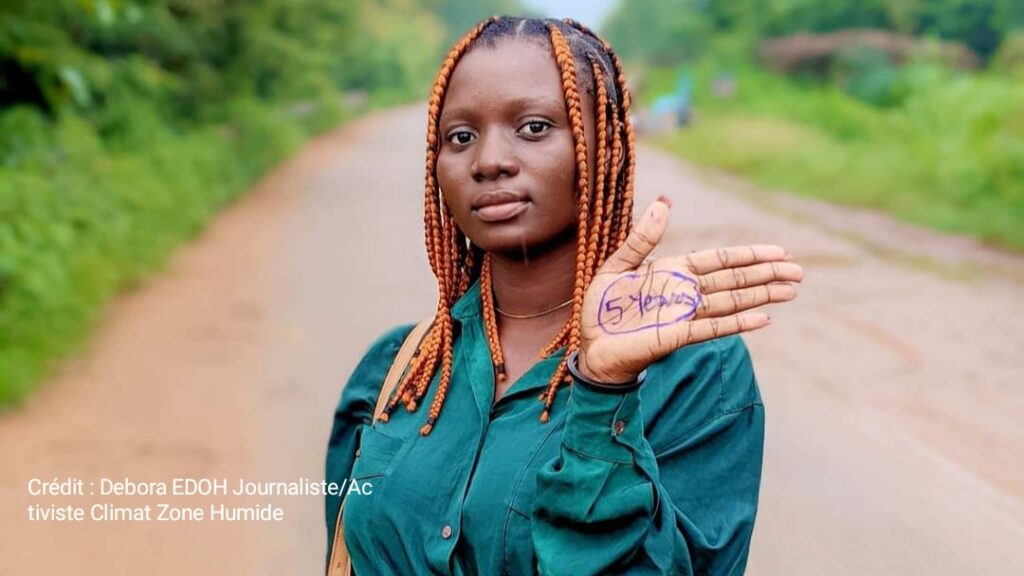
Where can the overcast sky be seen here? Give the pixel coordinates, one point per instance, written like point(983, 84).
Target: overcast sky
point(589, 12)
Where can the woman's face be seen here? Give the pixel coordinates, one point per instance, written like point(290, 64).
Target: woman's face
point(507, 167)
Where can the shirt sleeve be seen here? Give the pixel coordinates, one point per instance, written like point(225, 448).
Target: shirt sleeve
point(355, 408)
point(609, 505)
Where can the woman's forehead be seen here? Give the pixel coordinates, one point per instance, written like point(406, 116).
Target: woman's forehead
point(513, 71)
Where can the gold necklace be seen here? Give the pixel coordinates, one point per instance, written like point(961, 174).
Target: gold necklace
point(538, 314)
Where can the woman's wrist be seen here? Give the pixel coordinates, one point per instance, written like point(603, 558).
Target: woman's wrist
point(582, 377)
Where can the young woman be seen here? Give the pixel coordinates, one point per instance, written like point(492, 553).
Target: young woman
point(520, 440)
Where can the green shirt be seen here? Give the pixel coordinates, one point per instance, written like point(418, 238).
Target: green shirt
point(662, 480)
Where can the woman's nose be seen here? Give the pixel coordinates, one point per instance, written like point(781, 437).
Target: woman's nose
point(494, 158)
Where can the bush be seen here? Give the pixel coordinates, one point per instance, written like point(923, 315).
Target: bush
point(81, 222)
point(1010, 57)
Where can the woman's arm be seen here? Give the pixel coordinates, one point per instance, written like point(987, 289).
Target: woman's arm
point(609, 505)
point(355, 409)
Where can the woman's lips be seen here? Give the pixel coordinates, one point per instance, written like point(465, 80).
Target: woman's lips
point(500, 212)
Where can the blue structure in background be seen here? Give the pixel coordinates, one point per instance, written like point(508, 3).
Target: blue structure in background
point(675, 109)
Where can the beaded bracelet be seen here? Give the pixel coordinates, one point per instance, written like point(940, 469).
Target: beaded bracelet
point(601, 387)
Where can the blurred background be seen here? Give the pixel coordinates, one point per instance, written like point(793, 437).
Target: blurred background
point(209, 209)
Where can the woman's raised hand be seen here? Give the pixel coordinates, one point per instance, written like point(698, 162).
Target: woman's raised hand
point(637, 311)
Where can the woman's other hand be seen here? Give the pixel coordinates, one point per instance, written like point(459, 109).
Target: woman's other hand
point(637, 311)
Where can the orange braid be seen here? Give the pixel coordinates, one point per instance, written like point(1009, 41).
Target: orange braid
point(615, 135)
point(557, 342)
point(446, 378)
point(599, 182)
point(490, 319)
point(447, 259)
point(627, 124)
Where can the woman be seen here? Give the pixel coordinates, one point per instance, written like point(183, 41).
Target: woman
point(557, 462)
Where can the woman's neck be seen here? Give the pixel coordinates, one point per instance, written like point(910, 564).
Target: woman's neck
point(528, 285)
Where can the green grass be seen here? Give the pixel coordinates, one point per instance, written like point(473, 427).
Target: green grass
point(949, 156)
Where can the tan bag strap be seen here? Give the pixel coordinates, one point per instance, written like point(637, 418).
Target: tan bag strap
point(401, 362)
point(340, 564)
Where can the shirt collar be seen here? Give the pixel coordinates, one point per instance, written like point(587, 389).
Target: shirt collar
point(469, 304)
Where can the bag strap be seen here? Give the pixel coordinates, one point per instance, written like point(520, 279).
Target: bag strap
point(412, 342)
point(340, 564)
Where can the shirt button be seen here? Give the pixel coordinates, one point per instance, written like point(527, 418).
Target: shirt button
point(446, 532)
point(619, 427)
point(358, 452)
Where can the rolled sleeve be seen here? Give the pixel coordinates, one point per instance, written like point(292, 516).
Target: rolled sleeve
point(609, 505)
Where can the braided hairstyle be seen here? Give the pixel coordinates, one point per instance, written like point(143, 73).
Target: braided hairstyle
point(605, 208)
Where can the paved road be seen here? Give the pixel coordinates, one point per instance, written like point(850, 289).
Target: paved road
point(893, 385)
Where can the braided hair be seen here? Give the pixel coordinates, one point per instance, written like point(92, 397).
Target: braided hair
point(605, 209)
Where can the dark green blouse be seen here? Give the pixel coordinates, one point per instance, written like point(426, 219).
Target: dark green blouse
point(663, 480)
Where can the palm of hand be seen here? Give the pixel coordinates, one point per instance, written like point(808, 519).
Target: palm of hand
point(637, 311)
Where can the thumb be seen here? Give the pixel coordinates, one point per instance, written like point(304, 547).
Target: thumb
point(642, 240)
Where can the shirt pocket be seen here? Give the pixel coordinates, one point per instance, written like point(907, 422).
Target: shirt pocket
point(375, 453)
point(518, 534)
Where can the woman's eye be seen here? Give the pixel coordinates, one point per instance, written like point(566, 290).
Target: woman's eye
point(461, 137)
point(535, 128)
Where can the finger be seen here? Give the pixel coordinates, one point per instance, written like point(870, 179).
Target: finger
point(732, 301)
point(707, 261)
point(711, 328)
point(642, 240)
point(747, 276)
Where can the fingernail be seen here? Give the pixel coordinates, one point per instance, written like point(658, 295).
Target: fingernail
point(664, 199)
point(788, 256)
